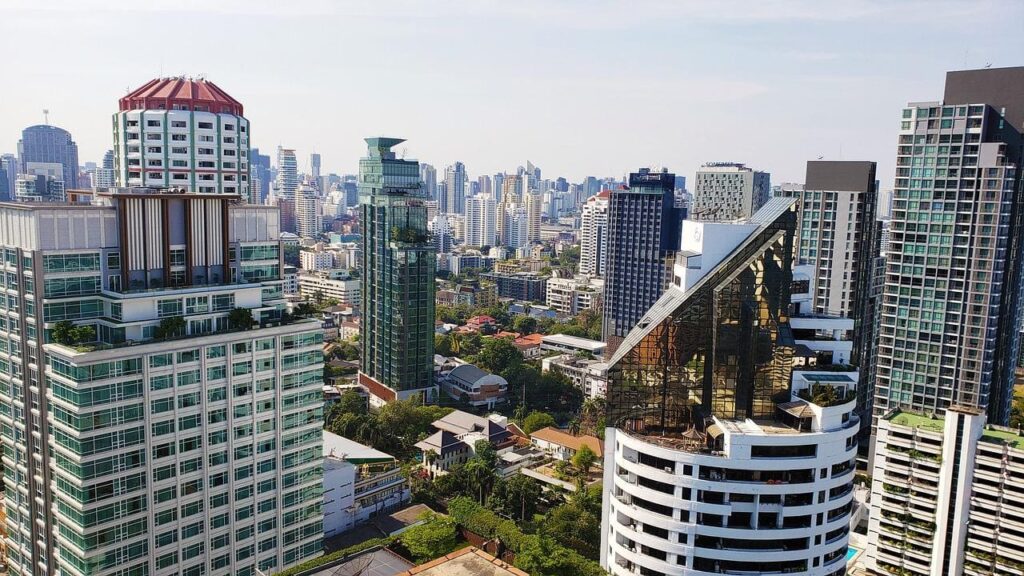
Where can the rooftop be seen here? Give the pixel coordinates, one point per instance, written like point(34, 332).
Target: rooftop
point(556, 436)
point(169, 93)
point(470, 561)
point(574, 341)
point(351, 451)
point(911, 420)
point(1011, 437)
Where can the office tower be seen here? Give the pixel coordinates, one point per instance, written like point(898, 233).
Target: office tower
point(182, 133)
point(260, 178)
point(946, 496)
point(594, 235)
point(950, 304)
point(643, 237)
point(454, 189)
point(351, 187)
point(397, 327)
point(727, 191)
point(428, 175)
point(49, 144)
point(719, 457)
point(481, 214)
point(9, 165)
point(534, 203)
point(498, 187)
point(160, 434)
point(287, 173)
point(314, 167)
point(486, 186)
point(41, 182)
point(308, 212)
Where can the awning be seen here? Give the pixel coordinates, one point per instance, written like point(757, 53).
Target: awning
point(714, 431)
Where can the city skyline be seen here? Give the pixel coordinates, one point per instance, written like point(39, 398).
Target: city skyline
point(715, 72)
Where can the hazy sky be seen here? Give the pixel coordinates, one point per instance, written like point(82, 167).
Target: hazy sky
point(580, 88)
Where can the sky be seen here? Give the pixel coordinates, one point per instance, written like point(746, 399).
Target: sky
point(577, 87)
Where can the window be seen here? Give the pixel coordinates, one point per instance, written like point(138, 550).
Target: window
point(166, 308)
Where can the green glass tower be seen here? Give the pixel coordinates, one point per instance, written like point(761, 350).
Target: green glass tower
point(397, 327)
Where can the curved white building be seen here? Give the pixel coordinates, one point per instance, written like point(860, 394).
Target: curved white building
point(719, 458)
point(182, 133)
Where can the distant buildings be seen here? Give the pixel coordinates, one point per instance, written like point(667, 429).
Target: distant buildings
point(260, 177)
point(182, 133)
point(314, 167)
point(287, 173)
point(729, 191)
point(308, 212)
point(570, 296)
point(528, 286)
point(587, 374)
point(643, 237)
point(480, 221)
point(359, 483)
point(41, 182)
point(313, 260)
point(428, 175)
point(326, 285)
point(594, 235)
point(454, 198)
point(49, 144)
point(397, 327)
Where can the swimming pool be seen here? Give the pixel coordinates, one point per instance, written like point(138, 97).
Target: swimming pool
point(851, 552)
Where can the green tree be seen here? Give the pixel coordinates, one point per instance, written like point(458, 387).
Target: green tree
point(498, 355)
point(442, 345)
point(171, 327)
point(542, 556)
point(481, 477)
point(304, 310)
point(1017, 412)
point(83, 334)
point(432, 539)
point(574, 527)
point(515, 497)
point(240, 319)
point(537, 420)
point(583, 459)
point(352, 402)
point(61, 332)
point(525, 324)
point(485, 451)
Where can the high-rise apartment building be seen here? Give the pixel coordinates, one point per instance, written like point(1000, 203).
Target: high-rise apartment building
point(534, 203)
point(397, 326)
point(511, 198)
point(946, 496)
point(9, 165)
point(729, 191)
point(41, 182)
point(177, 427)
point(105, 176)
point(950, 303)
point(643, 238)
point(454, 198)
point(837, 242)
point(259, 177)
point(308, 211)
point(486, 186)
point(287, 173)
point(49, 144)
point(182, 133)
point(719, 457)
point(594, 235)
point(481, 214)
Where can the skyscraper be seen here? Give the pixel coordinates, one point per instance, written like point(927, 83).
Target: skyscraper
point(486, 185)
point(287, 173)
point(164, 431)
point(728, 191)
point(719, 457)
point(397, 327)
point(837, 241)
point(454, 189)
point(260, 178)
point(182, 133)
point(594, 235)
point(45, 143)
point(314, 167)
point(534, 203)
point(308, 211)
point(950, 303)
point(511, 199)
point(643, 237)
point(481, 214)
point(428, 175)
point(9, 164)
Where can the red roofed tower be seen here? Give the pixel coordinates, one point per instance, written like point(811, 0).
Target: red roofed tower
point(182, 133)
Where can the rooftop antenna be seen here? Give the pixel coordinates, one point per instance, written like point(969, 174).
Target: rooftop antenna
point(46, 116)
point(403, 152)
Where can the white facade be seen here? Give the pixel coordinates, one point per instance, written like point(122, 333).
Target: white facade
point(326, 286)
point(573, 295)
point(590, 376)
point(481, 213)
point(766, 499)
point(308, 213)
point(200, 151)
point(359, 483)
point(947, 496)
point(313, 260)
point(594, 235)
point(727, 191)
point(287, 173)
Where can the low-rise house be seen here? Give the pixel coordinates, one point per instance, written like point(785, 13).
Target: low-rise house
point(563, 446)
point(529, 345)
point(455, 440)
point(473, 385)
point(572, 344)
point(359, 483)
point(482, 323)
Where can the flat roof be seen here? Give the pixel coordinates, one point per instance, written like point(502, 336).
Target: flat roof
point(574, 341)
point(469, 561)
point(351, 451)
point(911, 420)
point(1010, 437)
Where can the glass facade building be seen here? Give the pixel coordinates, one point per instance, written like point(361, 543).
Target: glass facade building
point(397, 327)
point(643, 237)
point(49, 144)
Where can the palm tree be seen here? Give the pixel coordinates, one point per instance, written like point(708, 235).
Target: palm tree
point(480, 476)
point(454, 343)
point(574, 427)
